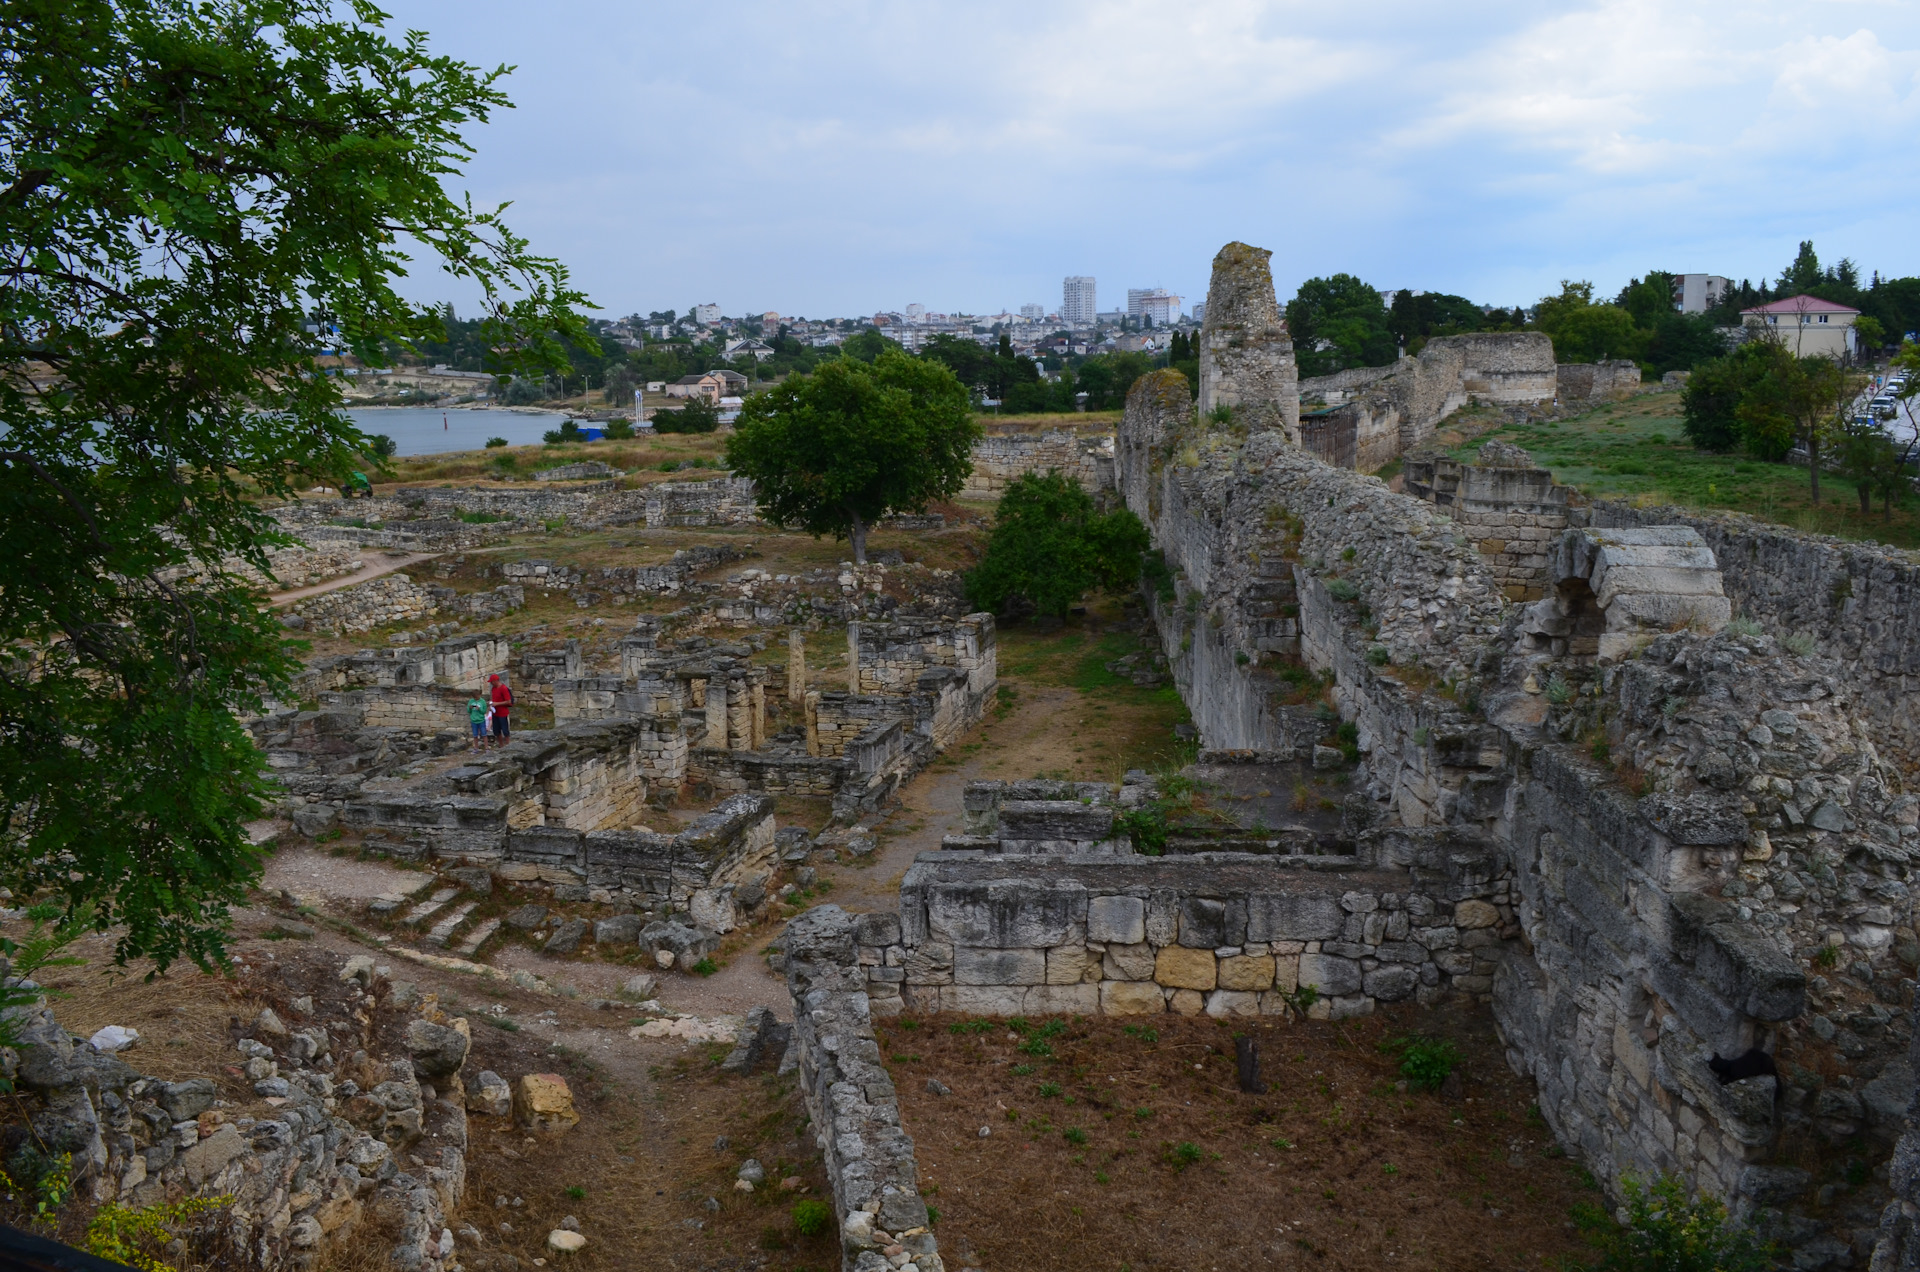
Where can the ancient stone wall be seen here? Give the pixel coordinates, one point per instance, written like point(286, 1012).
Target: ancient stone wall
point(1636, 795)
point(1246, 356)
point(396, 598)
point(318, 1147)
point(998, 458)
point(622, 584)
point(1227, 935)
point(832, 961)
point(1859, 603)
point(1580, 381)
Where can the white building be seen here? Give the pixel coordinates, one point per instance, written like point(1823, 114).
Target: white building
point(1806, 325)
point(1076, 303)
point(1033, 313)
point(705, 314)
point(1199, 311)
point(1697, 293)
point(916, 313)
point(1156, 303)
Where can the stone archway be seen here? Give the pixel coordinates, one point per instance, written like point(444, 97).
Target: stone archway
point(1613, 588)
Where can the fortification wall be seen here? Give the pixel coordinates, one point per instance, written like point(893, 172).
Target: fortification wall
point(1246, 356)
point(999, 458)
point(1674, 862)
point(1581, 381)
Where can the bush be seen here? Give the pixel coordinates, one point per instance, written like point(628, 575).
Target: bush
point(524, 393)
point(618, 430)
point(1667, 1232)
point(380, 446)
point(1341, 590)
point(811, 1217)
point(495, 443)
point(697, 416)
point(567, 432)
point(1050, 544)
point(1182, 1155)
point(1425, 1062)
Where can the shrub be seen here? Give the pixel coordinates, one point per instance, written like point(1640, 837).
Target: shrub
point(567, 432)
point(380, 446)
point(697, 416)
point(1074, 1135)
point(1341, 590)
point(618, 430)
point(1558, 690)
point(1378, 655)
point(1667, 1232)
point(706, 966)
point(495, 443)
point(1799, 643)
point(1425, 1062)
point(1049, 1090)
point(1145, 826)
point(811, 1217)
point(1050, 544)
point(1182, 1155)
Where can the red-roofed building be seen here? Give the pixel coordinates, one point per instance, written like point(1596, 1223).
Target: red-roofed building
point(1807, 325)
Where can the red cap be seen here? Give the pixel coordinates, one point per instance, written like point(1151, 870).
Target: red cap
point(493, 679)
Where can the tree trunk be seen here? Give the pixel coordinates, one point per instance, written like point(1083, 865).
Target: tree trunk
point(1866, 497)
point(1813, 463)
point(858, 534)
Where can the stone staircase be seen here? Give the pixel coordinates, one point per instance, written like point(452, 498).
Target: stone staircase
point(438, 914)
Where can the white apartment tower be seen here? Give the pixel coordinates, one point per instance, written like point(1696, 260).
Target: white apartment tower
point(1697, 293)
point(1076, 303)
point(1033, 313)
point(1156, 303)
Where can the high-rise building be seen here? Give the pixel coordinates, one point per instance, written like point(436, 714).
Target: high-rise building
point(1156, 303)
point(706, 313)
point(1199, 311)
point(916, 312)
point(1033, 313)
point(1076, 302)
point(1697, 293)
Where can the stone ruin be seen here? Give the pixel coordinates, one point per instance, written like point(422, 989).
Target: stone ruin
point(1650, 838)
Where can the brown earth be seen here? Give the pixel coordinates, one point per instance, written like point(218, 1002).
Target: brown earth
point(1123, 1145)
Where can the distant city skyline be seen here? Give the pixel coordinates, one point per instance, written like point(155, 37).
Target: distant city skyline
point(970, 157)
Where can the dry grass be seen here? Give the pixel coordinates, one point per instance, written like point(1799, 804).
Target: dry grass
point(1334, 1168)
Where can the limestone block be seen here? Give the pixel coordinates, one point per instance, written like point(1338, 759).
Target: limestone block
point(1006, 914)
point(930, 964)
point(1071, 964)
point(1128, 962)
point(210, 1156)
point(543, 1102)
point(1063, 1000)
point(1229, 1002)
point(1331, 975)
point(1131, 998)
point(1163, 919)
point(1286, 972)
point(1246, 972)
point(1392, 983)
point(1203, 923)
point(1187, 1002)
point(972, 966)
point(1122, 920)
point(1183, 968)
point(1475, 914)
point(1289, 916)
point(984, 1000)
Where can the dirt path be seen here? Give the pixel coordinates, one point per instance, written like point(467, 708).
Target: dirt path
point(371, 570)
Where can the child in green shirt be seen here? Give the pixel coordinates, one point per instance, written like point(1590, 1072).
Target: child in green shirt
point(477, 721)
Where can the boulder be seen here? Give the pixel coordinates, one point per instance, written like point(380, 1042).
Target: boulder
point(475, 879)
point(184, 1101)
point(114, 1038)
point(543, 1102)
point(566, 937)
point(621, 929)
point(490, 1095)
point(436, 1050)
point(527, 917)
point(712, 908)
point(688, 945)
point(640, 988)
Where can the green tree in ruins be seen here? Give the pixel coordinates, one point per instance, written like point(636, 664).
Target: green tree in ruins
point(1051, 543)
point(835, 451)
point(190, 196)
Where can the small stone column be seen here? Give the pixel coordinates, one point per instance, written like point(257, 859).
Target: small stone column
point(797, 667)
point(717, 713)
point(853, 658)
point(813, 723)
point(739, 716)
point(758, 716)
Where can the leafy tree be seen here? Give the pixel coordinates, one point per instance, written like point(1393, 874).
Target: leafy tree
point(697, 416)
point(1417, 317)
point(868, 345)
point(1710, 403)
point(1106, 378)
point(1583, 331)
point(1681, 342)
point(1648, 300)
point(180, 187)
point(1795, 401)
point(1050, 545)
point(1339, 322)
point(1804, 274)
point(835, 451)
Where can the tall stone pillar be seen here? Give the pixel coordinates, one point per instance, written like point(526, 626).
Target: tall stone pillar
point(813, 723)
point(1246, 356)
point(796, 667)
point(759, 716)
point(739, 716)
point(853, 658)
point(717, 713)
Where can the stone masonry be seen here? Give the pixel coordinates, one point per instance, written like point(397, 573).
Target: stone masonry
point(1246, 356)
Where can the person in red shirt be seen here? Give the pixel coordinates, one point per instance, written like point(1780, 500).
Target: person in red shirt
point(502, 699)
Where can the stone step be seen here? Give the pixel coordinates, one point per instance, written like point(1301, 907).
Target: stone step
point(443, 931)
point(418, 916)
point(478, 937)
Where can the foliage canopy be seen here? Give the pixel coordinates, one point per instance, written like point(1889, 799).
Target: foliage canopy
point(189, 196)
point(1050, 544)
point(835, 451)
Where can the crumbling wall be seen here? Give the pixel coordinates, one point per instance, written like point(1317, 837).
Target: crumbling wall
point(1580, 381)
point(848, 1091)
point(1246, 356)
point(1225, 934)
point(622, 584)
point(396, 598)
point(999, 458)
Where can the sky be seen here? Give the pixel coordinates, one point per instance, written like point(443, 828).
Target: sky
point(834, 159)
